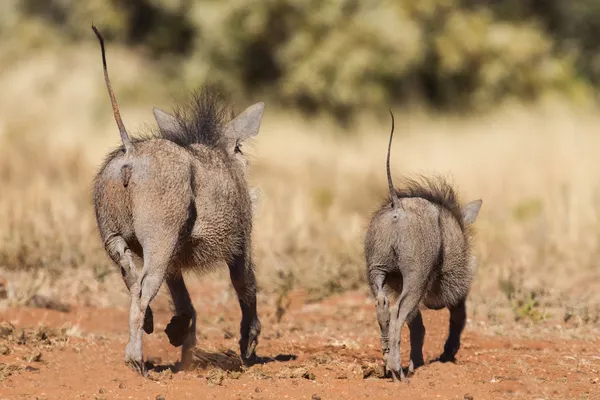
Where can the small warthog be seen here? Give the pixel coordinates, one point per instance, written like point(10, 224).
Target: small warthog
point(179, 200)
point(417, 252)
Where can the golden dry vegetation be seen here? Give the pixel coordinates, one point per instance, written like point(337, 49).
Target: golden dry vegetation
point(538, 235)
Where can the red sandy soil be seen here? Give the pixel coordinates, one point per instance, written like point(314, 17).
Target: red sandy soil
point(334, 344)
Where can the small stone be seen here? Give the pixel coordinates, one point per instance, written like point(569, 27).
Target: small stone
point(4, 350)
point(121, 386)
point(257, 390)
point(315, 397)
point(101, 391)
point(159, 397)
point(468, 396)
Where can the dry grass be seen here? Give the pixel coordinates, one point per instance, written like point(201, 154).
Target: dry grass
point(538, 235)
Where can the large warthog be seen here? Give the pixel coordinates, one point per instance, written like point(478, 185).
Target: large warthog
point(178, 200)
point(417, 252)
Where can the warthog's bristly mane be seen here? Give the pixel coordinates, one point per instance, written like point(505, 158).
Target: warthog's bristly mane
point(202, 121)
point(436, 190)
point(202, 118)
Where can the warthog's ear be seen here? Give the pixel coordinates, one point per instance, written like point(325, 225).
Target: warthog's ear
point(470, 211)
point(246, 124)
point(166, 122)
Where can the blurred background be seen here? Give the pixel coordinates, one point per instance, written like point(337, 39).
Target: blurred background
point(497, 96)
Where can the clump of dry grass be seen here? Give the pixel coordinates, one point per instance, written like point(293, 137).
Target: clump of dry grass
point(535, 169)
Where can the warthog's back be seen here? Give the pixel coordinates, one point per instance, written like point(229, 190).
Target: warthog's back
point(409, 235)
point(191, 196)
point(425, 235)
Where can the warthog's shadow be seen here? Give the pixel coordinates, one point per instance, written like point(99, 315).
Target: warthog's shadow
point(278, 358)
point(227, 360)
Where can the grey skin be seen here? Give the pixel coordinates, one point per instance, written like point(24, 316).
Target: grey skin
point(417, 252)
point(178, 200)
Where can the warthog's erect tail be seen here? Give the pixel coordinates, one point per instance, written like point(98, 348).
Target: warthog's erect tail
point(124, 136)
point(393, 195)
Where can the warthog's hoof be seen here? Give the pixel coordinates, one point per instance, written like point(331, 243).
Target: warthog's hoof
point(411, 368)
point(248, 343)
point(395, 369)
point(398, 376)
point(148, 321)
point(177, 329)
point(249, 358)
point(445, 357)
point(134, 359)
point(137, 366)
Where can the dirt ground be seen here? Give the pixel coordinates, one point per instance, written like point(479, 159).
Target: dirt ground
point(325, 350)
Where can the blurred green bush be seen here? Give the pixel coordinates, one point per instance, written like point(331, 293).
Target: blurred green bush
point(344, 56)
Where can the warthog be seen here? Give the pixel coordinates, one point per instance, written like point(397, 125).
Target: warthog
point(417, 252)
point(178, 199)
